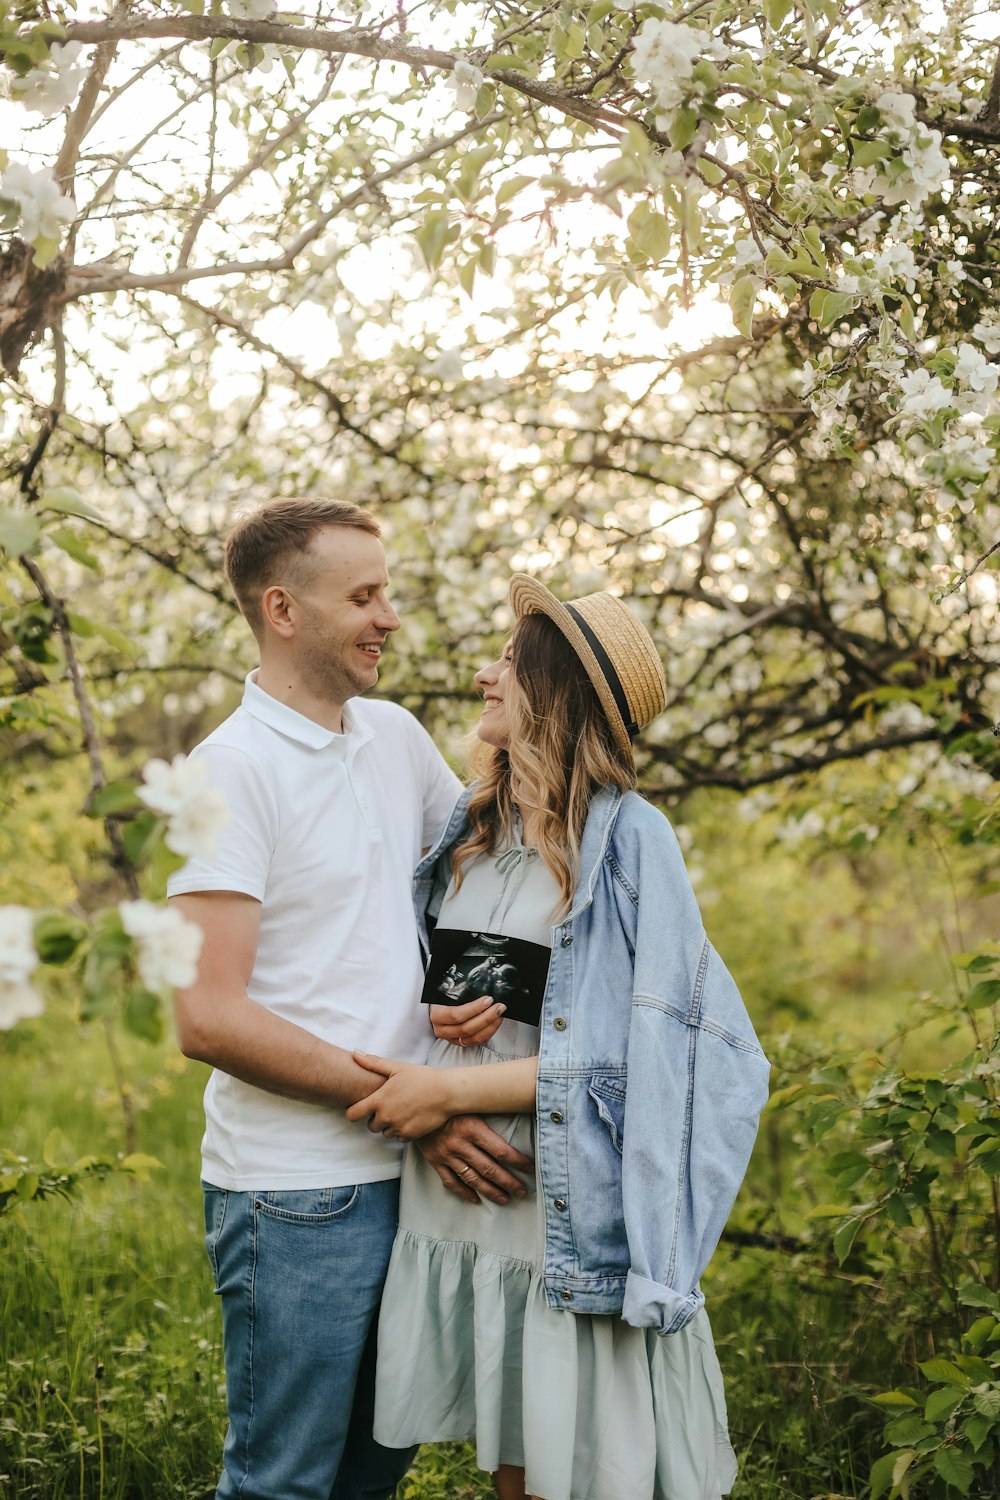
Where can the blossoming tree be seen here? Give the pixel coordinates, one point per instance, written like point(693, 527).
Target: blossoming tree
point(701, 302)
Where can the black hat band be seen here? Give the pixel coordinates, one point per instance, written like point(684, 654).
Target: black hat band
point(610, 675)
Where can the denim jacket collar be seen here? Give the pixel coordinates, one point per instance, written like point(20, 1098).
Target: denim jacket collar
point(596, 837)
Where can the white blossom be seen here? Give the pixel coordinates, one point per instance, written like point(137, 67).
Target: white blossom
point(664, 56)
point(923, 394)
point(895, 264)
point(794, 830)
point(52, 86)
point(18, 959)
point(466, 79)
point(974, 369)
point(251, 10)
point(167, 945)
point(988, 334)
point(44, 209)
point(904, 718)
point(898, 111)
point(194, 810)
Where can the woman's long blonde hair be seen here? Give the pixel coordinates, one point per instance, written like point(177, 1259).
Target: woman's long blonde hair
point(559, 753)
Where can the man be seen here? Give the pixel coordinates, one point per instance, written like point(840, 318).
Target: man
point(310, 950)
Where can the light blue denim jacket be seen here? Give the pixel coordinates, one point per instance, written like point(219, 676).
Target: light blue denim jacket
point(650, 1077)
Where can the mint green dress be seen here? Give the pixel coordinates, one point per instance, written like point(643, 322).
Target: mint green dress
point(469, 1348)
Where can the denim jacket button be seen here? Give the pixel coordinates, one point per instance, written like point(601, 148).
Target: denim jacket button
point(566, 1296)
point(567, 938)
point(560, 1204)
point(560, 1023)
point(556, 1117)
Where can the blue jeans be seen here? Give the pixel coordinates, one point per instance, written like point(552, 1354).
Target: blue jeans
point(300, 1275)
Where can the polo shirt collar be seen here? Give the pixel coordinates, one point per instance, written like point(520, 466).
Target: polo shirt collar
point(297, 727)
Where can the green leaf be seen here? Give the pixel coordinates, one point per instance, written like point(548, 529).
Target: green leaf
point(986, 992)
point(776, 11)
point(502, 62)
point(116, 797)
point(53, 1148)
point(908, 1429)
point(69, 503)
point(68, 541)
point(683, 128)
point(139, 836)
point(19, 530)
point(58, 936)
point(467, 276)
point(84, 626)
point(486, 100)
point(868, 152)
point(141, 1164)
point(432, 237)
point(649, 232)
point(895, 1398)
point(576, 42)
point(977, 1429)
point(955, 1468)
point(899, 1468)
point(511, 187)
point(843, 1240)
point(144, 1015)
point(832, 307)
point(981, 1332)
point(742, 298)
point(880, 1478)
point(942, 1402)
point(944, 1371)
point(46, 250)
point(971, 1294)
point(987, 1404)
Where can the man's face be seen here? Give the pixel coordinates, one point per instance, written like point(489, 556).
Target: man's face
point(343, 614)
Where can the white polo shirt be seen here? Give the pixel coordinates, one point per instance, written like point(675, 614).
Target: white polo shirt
point(326, 830)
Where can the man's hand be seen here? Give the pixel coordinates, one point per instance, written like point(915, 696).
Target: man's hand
point(472, 1160)
point(468, 1025)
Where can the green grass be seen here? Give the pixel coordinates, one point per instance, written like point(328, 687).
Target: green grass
point(110, 1359)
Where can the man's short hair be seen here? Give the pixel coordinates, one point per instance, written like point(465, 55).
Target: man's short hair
point(270, 545)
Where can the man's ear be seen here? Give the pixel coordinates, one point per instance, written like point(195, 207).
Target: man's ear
point(277, 605)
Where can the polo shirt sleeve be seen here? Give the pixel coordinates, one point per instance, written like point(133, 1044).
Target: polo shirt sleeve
point(441, 787)
point(243, 849)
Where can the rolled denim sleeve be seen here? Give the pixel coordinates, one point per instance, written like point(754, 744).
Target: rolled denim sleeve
point(697, 1082)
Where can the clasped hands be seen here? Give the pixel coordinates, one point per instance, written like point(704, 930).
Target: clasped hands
point(415, 1099)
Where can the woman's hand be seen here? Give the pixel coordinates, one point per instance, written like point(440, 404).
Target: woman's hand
point(412, 1101)
point(468, 1025)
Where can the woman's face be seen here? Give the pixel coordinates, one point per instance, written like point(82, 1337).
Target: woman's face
point(492, 683)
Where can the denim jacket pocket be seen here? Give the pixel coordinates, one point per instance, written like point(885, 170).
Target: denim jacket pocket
point(608, 1093)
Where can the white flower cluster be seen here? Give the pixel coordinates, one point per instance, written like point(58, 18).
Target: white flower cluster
point(795, 830)
point(167, 945)
point(466, 80)
point(251, 10)
point(927, 167)
point(53, 85)
point(987, 332)
point(971, 394)
point(195, 811)
point(43, 208)
point(664, 57)
point(18, 959)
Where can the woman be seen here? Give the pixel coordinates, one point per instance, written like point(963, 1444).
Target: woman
point(565, 1332)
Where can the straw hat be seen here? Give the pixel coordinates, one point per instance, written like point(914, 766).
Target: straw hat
point(614, 646)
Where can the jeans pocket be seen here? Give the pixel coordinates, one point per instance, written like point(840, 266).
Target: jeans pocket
point(307, 1205)
point(216, 1203)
